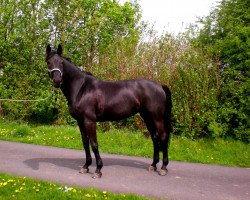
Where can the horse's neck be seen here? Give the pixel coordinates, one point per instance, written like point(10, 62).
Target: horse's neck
point(73, 80)
point(71, 71)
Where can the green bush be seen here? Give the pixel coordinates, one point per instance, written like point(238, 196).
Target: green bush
point(21, 131)
point(225, 36)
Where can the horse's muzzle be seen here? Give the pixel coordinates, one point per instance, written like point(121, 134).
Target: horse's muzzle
point(57, 79)
point(57, 84)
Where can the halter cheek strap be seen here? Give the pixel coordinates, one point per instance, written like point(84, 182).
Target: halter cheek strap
point(55, 69)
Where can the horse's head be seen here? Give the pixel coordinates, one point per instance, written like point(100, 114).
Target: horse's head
point(55, 65)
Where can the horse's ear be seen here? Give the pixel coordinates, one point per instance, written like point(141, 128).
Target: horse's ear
point(48, 49)
point(59, 50)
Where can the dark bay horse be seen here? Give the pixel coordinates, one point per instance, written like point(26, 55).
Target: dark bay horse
point(91, 99)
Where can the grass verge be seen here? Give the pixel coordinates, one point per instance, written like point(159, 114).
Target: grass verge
point(23, 188)
point(210, 151)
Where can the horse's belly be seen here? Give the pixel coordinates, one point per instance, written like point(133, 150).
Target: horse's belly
point(117, 112)
point(113, 117)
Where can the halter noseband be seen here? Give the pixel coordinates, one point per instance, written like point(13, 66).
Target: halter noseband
point(53, 70)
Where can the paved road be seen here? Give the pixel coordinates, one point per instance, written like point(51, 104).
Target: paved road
point(124, 174)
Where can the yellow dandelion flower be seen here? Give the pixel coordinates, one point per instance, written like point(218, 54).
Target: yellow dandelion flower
point(87, 195)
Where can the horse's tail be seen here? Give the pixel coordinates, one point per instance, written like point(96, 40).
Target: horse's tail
point(168, 108)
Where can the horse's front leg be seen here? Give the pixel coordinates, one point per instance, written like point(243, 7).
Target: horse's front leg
point(85, 141)
point(91, 130)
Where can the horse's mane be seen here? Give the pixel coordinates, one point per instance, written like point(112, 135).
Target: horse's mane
point(85, 72)
point(88, 73)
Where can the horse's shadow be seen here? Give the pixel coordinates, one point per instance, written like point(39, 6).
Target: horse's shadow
point(75, 164)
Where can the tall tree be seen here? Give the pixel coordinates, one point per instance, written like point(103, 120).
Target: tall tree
point(225, 35)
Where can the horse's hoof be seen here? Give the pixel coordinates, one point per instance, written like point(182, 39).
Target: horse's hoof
point(84, 170)
point(163, 172)
point(152, 168)
point(97, 175)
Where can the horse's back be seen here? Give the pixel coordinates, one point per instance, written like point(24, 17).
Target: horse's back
point(119, 99)
point(148, 94)
point(143, 89)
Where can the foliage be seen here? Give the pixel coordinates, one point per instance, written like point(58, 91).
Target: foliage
point(22, 35)
point(225, 35)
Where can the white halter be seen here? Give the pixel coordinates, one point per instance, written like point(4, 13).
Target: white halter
point(55, 69)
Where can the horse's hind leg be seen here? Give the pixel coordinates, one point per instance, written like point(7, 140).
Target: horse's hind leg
point(163, 139)
point(156, 159)
point(152, 130)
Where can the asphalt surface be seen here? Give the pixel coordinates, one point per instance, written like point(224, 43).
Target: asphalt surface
point(124, 174)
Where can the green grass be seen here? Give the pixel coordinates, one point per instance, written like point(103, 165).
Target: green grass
point(22, 188)
point(126, 142)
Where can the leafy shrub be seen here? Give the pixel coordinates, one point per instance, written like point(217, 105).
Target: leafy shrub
point(21, 131)
point(225, 36)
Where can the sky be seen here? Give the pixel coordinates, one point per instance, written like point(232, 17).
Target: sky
point(174, 15)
